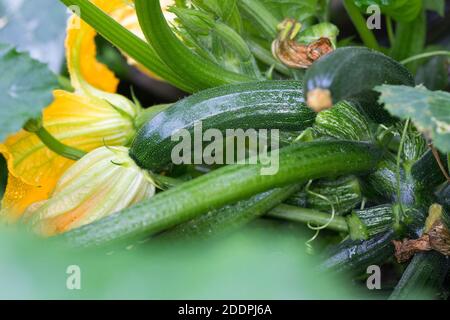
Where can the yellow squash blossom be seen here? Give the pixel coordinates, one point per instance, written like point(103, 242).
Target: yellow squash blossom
point(86, 119)
point(104, 181)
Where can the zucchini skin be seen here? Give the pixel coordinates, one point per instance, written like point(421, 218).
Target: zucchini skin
point(231, 217)
point(355, 256)
point(423, 278)
point(344, 193)
point(257, 105)
point(229, 184)
point(351, 73)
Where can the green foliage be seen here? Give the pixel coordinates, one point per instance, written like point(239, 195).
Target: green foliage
point(31, 28)
point(26, 87)
point(243, 266)
point(400, 10)
point(429, 110)
point(301, 10)
point(435, 5)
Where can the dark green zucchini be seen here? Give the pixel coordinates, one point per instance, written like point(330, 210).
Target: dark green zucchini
point(351, 73)
point(343, 194)
point(423, 278)
point(229, 184)
point(232, 217)
point(355, 256)
point(260, 105)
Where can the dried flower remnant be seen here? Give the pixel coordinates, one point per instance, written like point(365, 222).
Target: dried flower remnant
point(293, 54)
point(436, 237)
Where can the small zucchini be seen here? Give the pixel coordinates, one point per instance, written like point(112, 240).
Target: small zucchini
point(355, 256)
point(297, 163)
point(350, 74)
point(260, 105)
point(343, 194)
point(423, 278)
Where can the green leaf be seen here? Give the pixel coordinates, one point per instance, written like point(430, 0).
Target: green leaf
point(400, 10)
point(30, 28)
point(26, 86)
point(261, 263)
point(435, 5)
point(434, 73)
point(429, 110)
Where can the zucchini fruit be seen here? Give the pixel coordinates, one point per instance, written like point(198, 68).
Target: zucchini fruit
point(258, 105)
point(355, 256)
point(351, 73)
point(232, 217)
point(343, 194)
point(229, 184)
point(423, 278)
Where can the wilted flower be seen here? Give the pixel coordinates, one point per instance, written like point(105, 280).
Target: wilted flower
point(103, 182)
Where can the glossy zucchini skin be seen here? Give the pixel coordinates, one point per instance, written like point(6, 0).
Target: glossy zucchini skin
point(231, 217)
point(257, 105)
point(297, 163)
point(423, 277)
point(355, 256)
point(350, 73)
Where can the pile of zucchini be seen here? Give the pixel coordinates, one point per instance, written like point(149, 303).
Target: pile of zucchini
point(349, 168)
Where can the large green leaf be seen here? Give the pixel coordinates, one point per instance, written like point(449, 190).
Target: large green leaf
point(25, 86)
point(429, 110)
point(36, 26)
point(255, 264)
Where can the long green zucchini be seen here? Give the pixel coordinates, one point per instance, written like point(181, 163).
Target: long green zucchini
point(423, 277)
point(351, 73)
point(232, 217)
point(229, 184)
point(259, 105)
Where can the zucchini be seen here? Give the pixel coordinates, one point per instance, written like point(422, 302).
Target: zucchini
point(229, 184)
point(423, 278)
point(343, 122)
point(366, 223)
point(232, 217)
point(259, 105)
point(351, 73)
point(355, 256)
point(344, 194)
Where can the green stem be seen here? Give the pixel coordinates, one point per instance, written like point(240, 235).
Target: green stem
point(240, 47)
point(256, 10)
point(148, 114)
point(129, 43)
point(266, 57)
point(201, 73)
point(65, 84)
point(358, 20)
point(304, 215)
point(426, 55)
point(390, 30)
point(398, 164)
point(58, 147)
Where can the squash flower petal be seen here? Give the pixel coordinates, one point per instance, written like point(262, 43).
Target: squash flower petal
point(103, 182)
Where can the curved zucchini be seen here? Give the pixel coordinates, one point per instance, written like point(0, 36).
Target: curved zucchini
point(355, 256)
point(232, 217)
point(351, 73)
point(423, 278)
point(229, 184)
point(260, 105)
